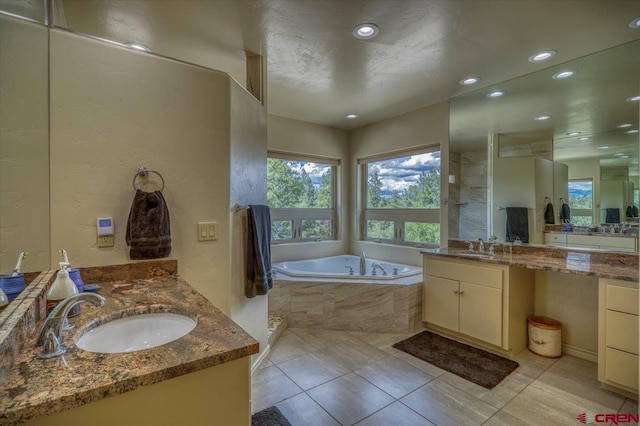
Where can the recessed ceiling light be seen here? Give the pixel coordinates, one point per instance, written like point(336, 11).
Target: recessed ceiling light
point(542, 117)
point(542, 56)
point(624, 156)
point(564, 74)
point(470, 80)
point(632, 131)
point(585, 138)
point(602, 147)
point(634, 162)
point(635, 23)
point(137, 46)
point(573, 133)
point(365, 31)
point(624, 125)
point(633, 99)
point(619, 154)
point(496, 94)
point(351, 116)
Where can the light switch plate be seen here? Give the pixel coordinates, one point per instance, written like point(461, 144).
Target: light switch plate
point(106, 241)
point(207, 231)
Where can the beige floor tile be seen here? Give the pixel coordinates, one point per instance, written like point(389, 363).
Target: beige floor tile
point(290, 346)
point(503, 419)
point(444, 404)
point(301, 410)
point(629, 407)
point(353, 354)
point(396, 414)
point(318, 338)
point(266, 363)
point(577, 365)
point(350, 398)
point(269, 386)
point(538, 407)
point(498, 397)
point(580, 390)
point(422, 365)
point(532, 365)
point(383, 341)
point(394, 376)
point(310, 370)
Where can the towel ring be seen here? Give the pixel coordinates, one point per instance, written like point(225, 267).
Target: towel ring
point(143, 171)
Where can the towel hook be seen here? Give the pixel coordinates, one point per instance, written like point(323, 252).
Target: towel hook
point(143, 171)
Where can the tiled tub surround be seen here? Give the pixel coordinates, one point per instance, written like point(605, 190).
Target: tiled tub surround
point(577, 261)
point(35, 388)
point(356, 305)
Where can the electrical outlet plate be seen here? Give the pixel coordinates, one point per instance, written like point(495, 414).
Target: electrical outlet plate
point(106, 241)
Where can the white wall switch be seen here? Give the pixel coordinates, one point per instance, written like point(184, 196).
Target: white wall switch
point(207, 231)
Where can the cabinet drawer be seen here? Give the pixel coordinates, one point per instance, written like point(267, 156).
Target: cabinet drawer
point(461, 272)
point(555, 239)
point(622, 331)
point(622, 299)
point(621, 368)
point(586, 240)
point(616, 242)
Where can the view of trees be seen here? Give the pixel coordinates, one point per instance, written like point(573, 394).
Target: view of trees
point(424, 194)
point(290, 186)
point(581, 198)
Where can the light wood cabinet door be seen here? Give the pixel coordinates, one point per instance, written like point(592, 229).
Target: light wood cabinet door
point(481, 312)
point(440, 302)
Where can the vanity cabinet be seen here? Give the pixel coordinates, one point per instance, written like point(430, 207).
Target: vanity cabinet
point(591, 241)
point(485, 303)
point(618, 334)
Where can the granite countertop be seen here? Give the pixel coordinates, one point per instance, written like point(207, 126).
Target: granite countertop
point(616, 265)
point(35, 387)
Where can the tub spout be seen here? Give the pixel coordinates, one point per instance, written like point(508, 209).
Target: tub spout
point(363, 264)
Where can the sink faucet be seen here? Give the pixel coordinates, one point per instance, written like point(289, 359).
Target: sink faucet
point(49, 336)
point(480, 245)
point(363, 264)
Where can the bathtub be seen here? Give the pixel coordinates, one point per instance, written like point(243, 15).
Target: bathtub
point(345, 267)
point(320, 293)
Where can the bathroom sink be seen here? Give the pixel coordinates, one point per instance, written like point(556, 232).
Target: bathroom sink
point(136, 333)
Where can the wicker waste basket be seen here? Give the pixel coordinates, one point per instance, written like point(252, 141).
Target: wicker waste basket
point(545, 336)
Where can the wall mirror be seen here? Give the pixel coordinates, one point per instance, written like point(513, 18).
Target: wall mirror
point(578, 113)
point(24, 145)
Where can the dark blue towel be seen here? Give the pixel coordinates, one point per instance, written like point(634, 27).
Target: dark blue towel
point(565, 213)
point(635, 211)
point(259, 279)
point(612, 215)
point(517, 224)
point(548, 214)
point(629, 212)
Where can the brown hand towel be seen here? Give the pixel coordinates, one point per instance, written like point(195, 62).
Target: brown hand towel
point(148, 227)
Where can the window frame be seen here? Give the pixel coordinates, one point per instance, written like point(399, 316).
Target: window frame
point(584, 212)
point(297, 215)
point(398, 216)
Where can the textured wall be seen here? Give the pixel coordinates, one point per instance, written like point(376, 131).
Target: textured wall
point(288, 135)
point(473, 195)
point(24, 150)
point(425, 126)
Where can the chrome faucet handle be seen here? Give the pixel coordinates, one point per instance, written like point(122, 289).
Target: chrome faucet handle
point(350, 269)
point(470, 245)
point(49, 335)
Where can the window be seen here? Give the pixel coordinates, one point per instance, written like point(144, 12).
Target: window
point(402, 197)
point(301, 192)
point(581, 201)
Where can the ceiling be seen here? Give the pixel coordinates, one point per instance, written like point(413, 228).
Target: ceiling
point(318, 72)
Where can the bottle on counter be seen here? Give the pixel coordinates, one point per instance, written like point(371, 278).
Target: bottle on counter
point(61, 288)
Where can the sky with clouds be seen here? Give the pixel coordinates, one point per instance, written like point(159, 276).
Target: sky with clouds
point(400, 173)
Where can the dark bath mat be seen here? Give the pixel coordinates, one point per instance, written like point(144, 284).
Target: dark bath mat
point(269, 417)
point(475, 365)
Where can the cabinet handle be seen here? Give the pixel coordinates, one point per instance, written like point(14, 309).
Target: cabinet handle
point(461, 292)
point(455, 292)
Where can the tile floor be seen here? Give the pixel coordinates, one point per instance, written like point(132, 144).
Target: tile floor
point(326, 377)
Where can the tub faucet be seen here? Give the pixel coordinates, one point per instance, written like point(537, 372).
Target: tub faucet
point(377, 265)
point(49, 336)
point(363, 264)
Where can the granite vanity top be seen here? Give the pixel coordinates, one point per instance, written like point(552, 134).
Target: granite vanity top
point(616, 265)
point(35, 387)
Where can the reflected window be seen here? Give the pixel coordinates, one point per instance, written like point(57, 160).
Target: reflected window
point(581, 202)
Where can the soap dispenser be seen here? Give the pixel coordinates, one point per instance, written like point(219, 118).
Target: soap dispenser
point(62, 288)
point(74, 274)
